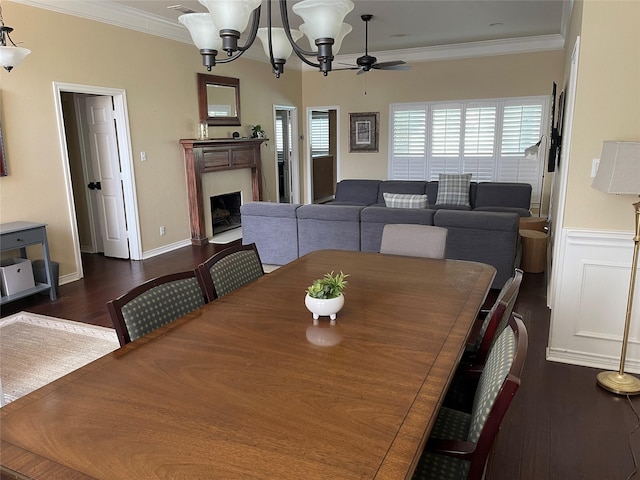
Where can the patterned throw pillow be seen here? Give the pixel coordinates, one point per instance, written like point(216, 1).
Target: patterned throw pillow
point(404, 200)
point(453, 189)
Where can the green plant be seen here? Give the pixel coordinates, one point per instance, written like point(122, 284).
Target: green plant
point(256, 128)
point(329, 286)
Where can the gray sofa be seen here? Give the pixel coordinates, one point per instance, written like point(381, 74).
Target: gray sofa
point(483, 233)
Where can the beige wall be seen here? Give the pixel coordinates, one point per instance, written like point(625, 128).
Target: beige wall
point(607, 107)
point(475, 78)
point(159, 77)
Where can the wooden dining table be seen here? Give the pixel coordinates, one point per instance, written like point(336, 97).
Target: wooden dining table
point(248, 387)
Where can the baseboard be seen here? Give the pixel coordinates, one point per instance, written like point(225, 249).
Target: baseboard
point(585, 359)
point(166, 249)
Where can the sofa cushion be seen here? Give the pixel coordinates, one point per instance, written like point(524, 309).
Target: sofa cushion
point(403, 200)
point(357, 192)
point(345, 213)
point(323, 227)
point(453, 189)
point(503, 194)
point(523, 212)
point(374, 218)
point(401, 186)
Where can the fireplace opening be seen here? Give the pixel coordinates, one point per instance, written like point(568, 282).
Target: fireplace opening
point(225, 212)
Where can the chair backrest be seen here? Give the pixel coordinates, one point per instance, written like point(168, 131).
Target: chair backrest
point(229, 269)
point(498, 383)
point(498, 317)
point(414, 240)
point(155, 303)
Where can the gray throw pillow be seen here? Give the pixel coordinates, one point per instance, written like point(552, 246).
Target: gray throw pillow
point(453, 189)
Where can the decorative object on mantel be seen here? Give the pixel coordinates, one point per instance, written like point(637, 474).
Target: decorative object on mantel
point(257, 132)
point(363, 132)
point(227, 19)
point(619, 173)
point(203, 131)
point(10, 55)
point(324, 296)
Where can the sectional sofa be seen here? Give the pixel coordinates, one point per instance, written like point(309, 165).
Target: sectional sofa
point(484, 231)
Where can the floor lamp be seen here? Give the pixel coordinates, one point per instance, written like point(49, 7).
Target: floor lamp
point(619, 173)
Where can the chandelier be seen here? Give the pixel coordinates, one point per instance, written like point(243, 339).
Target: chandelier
point(10, 55)
point(220, 29)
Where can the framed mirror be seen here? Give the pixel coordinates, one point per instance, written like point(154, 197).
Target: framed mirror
point(219, 99)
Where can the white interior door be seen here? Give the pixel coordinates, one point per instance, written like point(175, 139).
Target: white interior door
point(108, 183)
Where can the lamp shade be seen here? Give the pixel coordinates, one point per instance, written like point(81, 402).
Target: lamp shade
point(619, 170)
point(202, 29)
point(231, 14)
point(337, 41)
point(323, 17)
point(282, 49)
point(12, 56)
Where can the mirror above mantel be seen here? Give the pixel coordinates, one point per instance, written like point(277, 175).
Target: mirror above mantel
point(219, 99)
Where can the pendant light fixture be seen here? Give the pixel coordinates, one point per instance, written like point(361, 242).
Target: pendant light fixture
point(10, 54)
point(221, 28)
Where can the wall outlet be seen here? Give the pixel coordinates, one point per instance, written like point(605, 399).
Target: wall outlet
point(162, 231)
point(594, 167)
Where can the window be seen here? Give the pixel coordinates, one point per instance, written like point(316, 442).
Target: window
point(486, 138)
point(319, 134)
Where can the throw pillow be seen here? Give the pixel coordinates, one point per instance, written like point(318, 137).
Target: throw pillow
point(404, 200)
point(453, 189)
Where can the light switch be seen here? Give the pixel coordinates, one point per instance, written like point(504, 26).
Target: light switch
point(594, 167)
point(143, 156)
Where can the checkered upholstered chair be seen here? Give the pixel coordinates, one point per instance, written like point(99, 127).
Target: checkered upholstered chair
point(494, 321)
point(414, 240)
point(460, 442)
point(154, 304)
point(229, 269)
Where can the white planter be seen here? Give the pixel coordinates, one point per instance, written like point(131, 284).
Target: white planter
point(323, 307)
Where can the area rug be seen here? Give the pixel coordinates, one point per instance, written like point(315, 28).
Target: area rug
point(36, 350)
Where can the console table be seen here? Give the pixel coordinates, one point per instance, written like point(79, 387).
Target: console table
point(19, 235)
point(216, 155)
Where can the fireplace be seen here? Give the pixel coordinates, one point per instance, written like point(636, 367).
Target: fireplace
point(225, 212)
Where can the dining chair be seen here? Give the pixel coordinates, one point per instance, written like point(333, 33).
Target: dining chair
point(229, 269)
point(414, 240)
point(494, 320)
point(460, 442)
point(155, 303)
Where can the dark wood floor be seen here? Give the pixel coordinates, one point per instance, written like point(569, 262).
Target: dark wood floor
point(560, 424)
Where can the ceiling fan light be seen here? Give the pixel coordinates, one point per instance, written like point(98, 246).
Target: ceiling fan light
point(12, 56)
point(202, 29)
point(231, 14)
point(282, 49)
point(323, 17)
point(337, 43)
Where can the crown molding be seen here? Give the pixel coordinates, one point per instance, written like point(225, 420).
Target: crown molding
point(126, 17)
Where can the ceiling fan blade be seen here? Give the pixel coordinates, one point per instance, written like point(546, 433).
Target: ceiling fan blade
point(361, 71)
point(394, 67)
point(389, 64)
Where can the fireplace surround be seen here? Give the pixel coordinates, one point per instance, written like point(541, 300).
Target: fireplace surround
point(206, 157)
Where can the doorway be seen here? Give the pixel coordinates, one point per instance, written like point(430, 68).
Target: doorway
point(287, 164)
point(97, 163)
point(323, 133)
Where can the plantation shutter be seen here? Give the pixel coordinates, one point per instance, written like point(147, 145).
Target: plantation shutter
point(446, 124)
point(319, 134)
point(408, 143)
point(479, 142)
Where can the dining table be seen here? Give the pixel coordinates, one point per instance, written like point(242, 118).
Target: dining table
point(248, 387)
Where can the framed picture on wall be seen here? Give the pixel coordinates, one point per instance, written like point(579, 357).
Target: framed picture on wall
point(363, 132)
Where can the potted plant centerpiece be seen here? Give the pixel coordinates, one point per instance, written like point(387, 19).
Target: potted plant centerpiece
point(324, 296)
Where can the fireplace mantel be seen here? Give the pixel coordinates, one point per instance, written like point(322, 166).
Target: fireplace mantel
point(217, 155)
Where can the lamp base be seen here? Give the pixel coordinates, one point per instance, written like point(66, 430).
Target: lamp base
point(624, 384)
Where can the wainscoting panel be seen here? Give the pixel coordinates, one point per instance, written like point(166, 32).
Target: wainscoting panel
point(587, 317)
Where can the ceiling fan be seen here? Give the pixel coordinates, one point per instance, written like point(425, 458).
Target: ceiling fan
point(367, 62)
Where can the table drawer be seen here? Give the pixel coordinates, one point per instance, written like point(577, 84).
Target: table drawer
point(21, 239)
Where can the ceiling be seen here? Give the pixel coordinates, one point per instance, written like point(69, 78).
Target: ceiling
point(422, 29)
point(402, 24)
